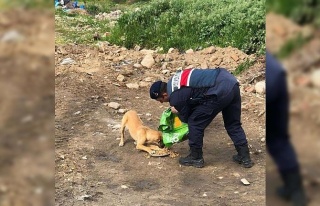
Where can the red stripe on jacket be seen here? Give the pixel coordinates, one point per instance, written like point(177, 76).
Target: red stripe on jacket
point(184, 77)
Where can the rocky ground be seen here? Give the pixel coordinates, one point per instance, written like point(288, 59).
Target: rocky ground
point(95, 85)
point(91, 169)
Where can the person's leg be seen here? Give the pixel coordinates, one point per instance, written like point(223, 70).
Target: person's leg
point(200, 118)
point(282, 152)
point(232, 122)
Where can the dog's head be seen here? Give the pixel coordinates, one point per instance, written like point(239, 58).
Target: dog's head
point(160, 142)
point(156, 138)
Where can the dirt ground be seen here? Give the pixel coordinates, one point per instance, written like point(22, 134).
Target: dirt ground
point(91, 169)
point(26, 107)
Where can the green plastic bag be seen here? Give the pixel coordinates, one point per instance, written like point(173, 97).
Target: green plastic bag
point(173, 130)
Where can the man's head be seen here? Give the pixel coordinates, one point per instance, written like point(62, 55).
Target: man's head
point(158, 91)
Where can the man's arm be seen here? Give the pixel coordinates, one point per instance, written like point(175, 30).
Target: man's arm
point(179, 100)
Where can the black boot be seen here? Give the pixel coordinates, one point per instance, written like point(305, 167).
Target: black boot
point(193, 159)
point(293, 188)
point(243, 156)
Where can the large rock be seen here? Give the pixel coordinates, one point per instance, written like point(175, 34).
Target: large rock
point(148, 61)
point(260, 87)
point(208, 50)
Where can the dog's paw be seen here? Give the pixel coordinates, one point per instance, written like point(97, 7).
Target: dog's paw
point(121, 144)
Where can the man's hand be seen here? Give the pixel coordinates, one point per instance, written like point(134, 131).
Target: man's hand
point(173, 110)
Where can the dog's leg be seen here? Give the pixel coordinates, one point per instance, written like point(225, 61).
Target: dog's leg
point(141, 141)
point(123, 126)
point(144, 148)
point(154, 147)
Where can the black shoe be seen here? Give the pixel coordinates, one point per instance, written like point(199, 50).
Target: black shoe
point(193, 159)
point(243, 156)
point(293, 189)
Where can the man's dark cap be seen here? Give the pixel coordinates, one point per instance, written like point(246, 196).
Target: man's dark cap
point(155, 90)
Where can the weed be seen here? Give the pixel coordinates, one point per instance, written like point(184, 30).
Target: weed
point(243, 66)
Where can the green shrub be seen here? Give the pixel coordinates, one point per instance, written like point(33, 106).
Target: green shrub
point(185, 24)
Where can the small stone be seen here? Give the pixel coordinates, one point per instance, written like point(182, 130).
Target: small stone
point(132, 85)
point(120, 78)
point(235, 57)
point(148, 79)
point(208, 50)
point(171, 50)
point(67, 61)
point(189, 51)
point(144, 84)
point(137, 65)
point(260, 87)
point(76, 113)
point(122, 111)
point(315, 78)
point(117, 126)
point(124, 186)
point(114, 105)
point(236, 174)
point(245, 182)
point(263, 139)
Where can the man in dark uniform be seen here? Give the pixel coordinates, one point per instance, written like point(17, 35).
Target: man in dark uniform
point(198, 95)
point(277, 137)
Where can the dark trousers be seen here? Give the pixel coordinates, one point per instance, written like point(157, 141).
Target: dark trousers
point(283, 154)
point(204, 113)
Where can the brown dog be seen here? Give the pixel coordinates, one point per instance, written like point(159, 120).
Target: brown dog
point(140, 133)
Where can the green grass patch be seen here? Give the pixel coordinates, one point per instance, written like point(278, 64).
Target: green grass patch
point(79, 29)
point(185, 24)
point(243, 67)
point(181, 24)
